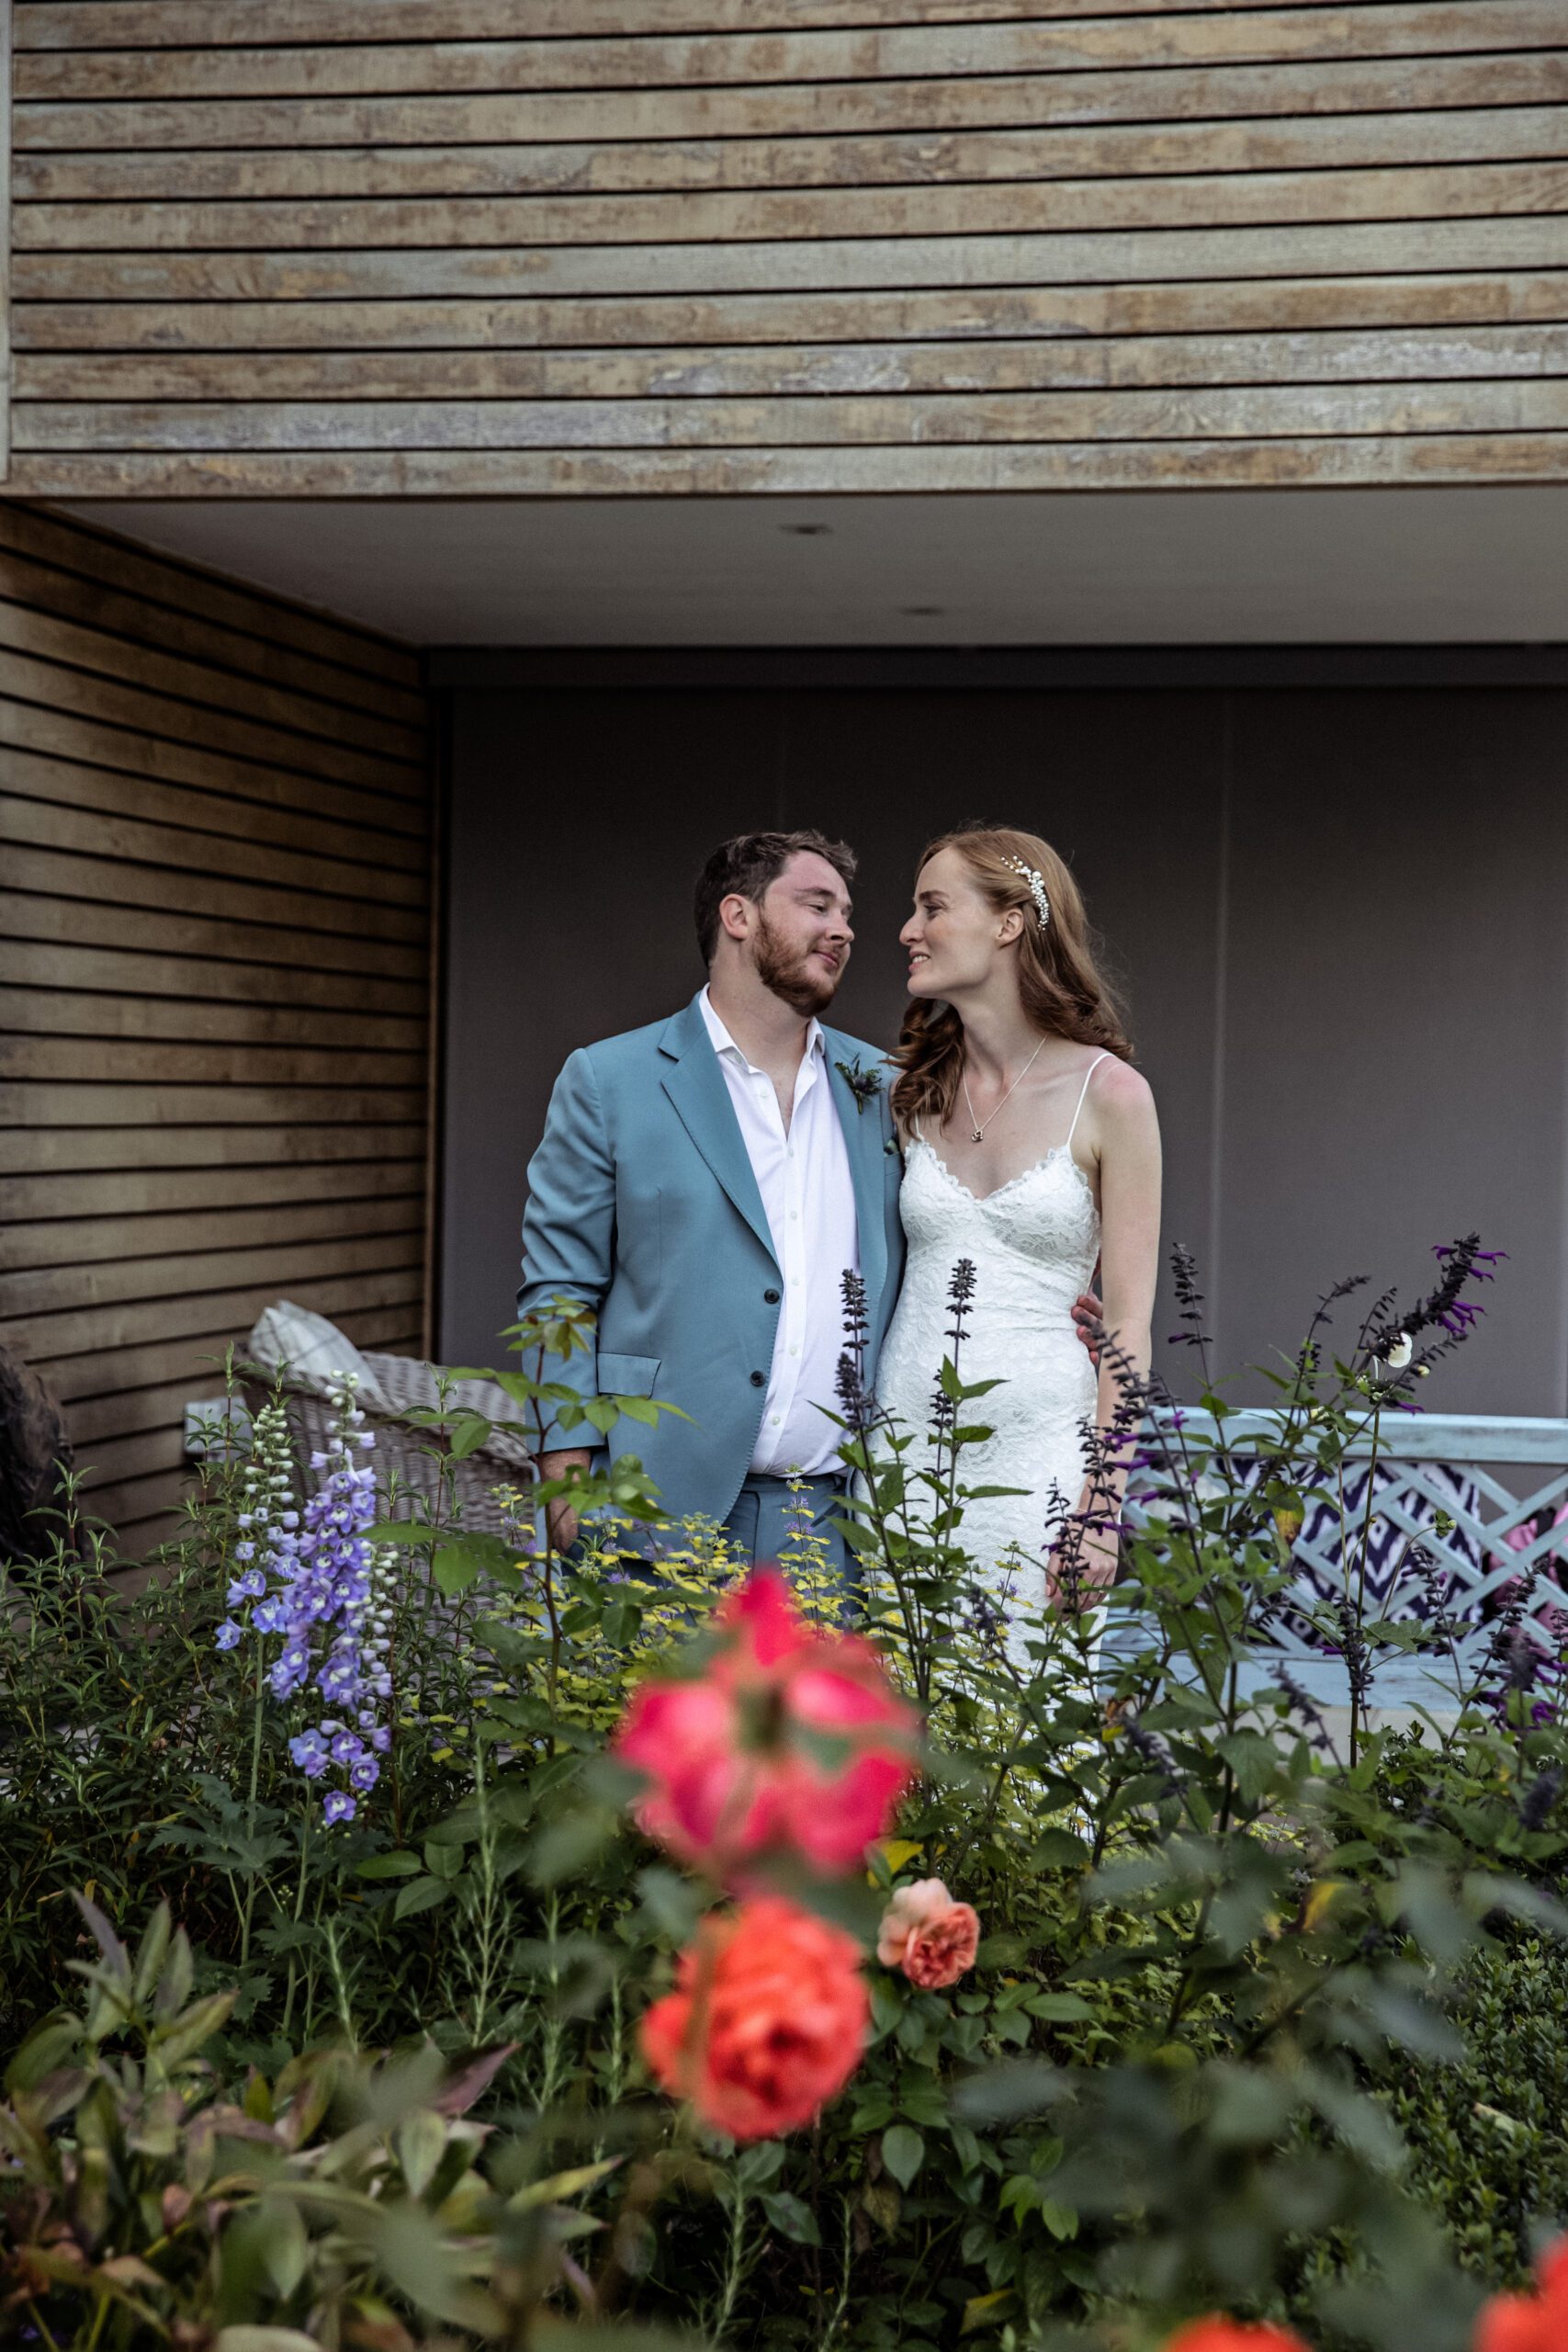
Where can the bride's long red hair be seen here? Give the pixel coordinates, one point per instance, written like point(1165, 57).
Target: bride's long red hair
point(1064, 991)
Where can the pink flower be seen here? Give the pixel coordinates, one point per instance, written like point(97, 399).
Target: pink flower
point(930, 1937)
point(791, 1740)
point(767, 2022)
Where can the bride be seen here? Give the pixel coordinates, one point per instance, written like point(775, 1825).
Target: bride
point(1033, 1149)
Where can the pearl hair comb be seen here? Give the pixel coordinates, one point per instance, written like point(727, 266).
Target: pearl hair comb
point(1036, 882)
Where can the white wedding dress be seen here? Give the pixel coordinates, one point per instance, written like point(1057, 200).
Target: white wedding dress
point(1033, 1244)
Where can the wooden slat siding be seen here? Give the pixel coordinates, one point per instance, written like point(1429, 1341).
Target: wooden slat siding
point(214, 972)
point(165, 587)
point(933, 109)
point(1148, 362)
point(1235, 36)
point(472, 248)
point(79, 1150)
point(31, 573)
point(1125, 151)
point(333, 334)
point(699, 218)
point(876, 420)
point(166, 23)
point(6, 344)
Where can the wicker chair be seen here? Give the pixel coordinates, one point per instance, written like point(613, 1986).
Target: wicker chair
point(408, 1452)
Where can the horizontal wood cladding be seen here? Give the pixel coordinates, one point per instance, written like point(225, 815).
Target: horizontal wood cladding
point(472, 248)
point(214, 985)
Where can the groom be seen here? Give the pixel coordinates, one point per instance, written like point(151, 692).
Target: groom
point(704, 1184)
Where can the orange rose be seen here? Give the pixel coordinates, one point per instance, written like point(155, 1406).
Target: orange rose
point(930, 1937)
point(1217, 2334)
point(767, 2022)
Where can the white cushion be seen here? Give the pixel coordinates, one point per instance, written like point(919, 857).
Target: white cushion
point(314, 1349)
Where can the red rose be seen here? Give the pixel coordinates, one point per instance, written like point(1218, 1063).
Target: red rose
point(1217, 2334)
point(737, 1757)
point(767, 2022)
point(1537, 2322)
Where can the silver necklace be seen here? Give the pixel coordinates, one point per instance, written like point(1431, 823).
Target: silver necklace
point(977, 1132)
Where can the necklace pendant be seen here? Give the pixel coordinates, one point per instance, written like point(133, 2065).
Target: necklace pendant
point(976, 1135)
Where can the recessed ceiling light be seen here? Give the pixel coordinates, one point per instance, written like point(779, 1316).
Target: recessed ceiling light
point(808, 530)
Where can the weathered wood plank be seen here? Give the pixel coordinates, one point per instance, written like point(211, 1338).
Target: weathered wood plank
point(127, 1240)
point(1122, 151)
point(32, 628)
point(268, 622)
point(39, 568)
point(62, 1290)
point(75, 1013)
point(130, 750)
point(113, 1194)
point(520, 473)
point(264, 828)
point(980, 209)
point(876, 420)
point(45, 1340)
point(672, 372)
point(5, 117)
point(33, 678)
point(1388, 248)
point(73, 914)
point(69, 873)
point(761, 111)
point(1233, 36)
point(103, 1105)
point(191, 1358)
point(41, 1151)
point(59, 824)
point(873, 317)
point(166, 23)
point(122, 1061)
point(138, 978)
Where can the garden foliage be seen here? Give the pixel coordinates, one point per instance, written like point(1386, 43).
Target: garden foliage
point(1160, 1992)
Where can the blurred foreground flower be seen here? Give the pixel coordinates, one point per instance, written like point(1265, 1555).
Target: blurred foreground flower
point(767, 2022)
point(1537, 2322)
point(932, 1939)
point(791, 1740)
point(1217, 2334)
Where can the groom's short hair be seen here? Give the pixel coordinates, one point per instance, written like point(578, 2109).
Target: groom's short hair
point(748, 862)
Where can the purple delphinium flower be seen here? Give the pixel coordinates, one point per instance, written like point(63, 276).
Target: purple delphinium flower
point(320, 1587)
point(228, 1634)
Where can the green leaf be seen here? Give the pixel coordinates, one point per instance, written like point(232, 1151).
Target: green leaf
point(903, 2151)
point(453, 1570)
point(389, 1866)
point(790, 2217)
point(420, 1895)
point(1060, 2008)
point(442, 1860)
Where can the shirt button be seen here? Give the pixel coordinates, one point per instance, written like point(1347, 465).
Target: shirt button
point(795, 1352)
point(795, 1216)
point(777, 1417)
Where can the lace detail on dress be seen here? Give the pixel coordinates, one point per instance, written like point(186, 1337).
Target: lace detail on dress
point(1033, 1243)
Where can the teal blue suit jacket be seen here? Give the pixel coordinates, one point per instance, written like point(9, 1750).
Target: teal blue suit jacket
point(642, 1203)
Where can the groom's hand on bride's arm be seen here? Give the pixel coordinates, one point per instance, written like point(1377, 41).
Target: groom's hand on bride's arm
point(1089, 1313)
point(560, 1516)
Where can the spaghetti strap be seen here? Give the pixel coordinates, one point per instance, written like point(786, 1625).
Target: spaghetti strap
point(1082, 1091)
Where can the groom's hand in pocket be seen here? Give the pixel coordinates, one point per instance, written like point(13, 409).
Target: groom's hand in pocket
point(1088, 1315)
point(561, 1517)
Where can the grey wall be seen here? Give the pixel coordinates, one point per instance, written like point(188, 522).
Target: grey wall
point(1338, 913)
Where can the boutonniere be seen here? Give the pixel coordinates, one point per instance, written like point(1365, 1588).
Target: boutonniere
point(865, 1085)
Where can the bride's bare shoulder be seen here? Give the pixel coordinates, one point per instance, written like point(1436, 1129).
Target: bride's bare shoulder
point(1120, 1096)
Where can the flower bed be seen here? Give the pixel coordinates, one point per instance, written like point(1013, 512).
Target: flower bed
point(594, 1944)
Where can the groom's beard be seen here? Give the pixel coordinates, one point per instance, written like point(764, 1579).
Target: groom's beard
point(802, 985)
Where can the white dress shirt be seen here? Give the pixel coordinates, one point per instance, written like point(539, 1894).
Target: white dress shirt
point(808, 1195)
